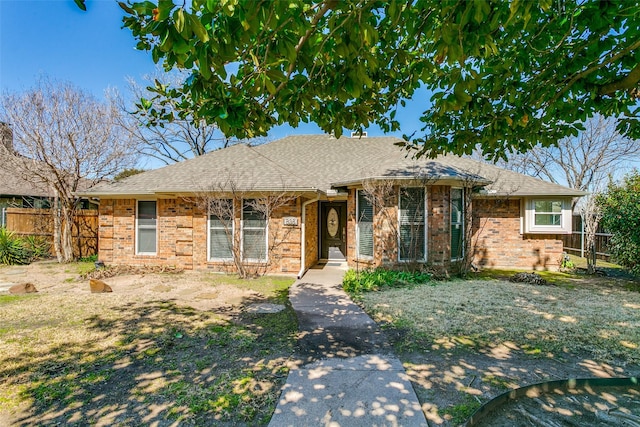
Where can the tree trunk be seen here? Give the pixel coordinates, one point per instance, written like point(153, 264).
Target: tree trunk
point(591, 259)
point(57, 226)
point(66, 233)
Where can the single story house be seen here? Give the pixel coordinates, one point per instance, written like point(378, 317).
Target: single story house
point(290, 204)
point(18, 187)
point(17, 191)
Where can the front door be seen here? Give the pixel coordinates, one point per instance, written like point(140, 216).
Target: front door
point(333, 230)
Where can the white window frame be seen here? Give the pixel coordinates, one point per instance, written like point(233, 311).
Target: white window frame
point(530, 216)
point(373, 234)
point(460, 222)
point(233, 231)
point(137, 228)
point(424, 249)
point(266, 237)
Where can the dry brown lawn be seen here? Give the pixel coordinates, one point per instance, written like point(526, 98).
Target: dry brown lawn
point(464, 342)
point(162, 349)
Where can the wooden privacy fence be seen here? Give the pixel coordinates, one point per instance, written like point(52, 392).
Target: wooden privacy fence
point(575, 243)
point(39, 222)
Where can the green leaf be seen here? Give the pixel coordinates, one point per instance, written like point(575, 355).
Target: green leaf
point(271, 88)
point(545, 5)
point(180, 46)
point(81, 4)
point(460, 94)
point(178, 18)
point(203, 64)
point(199, 29)
point(122, 5)
point(144, 8)
point(164, 9)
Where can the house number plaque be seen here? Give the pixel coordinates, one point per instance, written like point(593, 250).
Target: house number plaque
point(290, 221)
point(332, 222)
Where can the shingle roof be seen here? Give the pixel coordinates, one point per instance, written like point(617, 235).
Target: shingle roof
point(13, 183)
point(238, 167)
point(321, 162)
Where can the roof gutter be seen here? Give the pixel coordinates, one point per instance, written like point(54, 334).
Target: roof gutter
point(303, 240)
point(429, 180)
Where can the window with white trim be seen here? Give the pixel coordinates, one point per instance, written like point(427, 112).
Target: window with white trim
point(254, 232)
point(146, 227)
point(457, 223)
point(412, 236)
point(547, 213)
point(364, 225)
point(221, 229)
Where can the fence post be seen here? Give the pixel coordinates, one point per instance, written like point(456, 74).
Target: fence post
point(4, 218)
point(582, 236)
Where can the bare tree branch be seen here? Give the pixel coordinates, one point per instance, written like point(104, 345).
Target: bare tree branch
point(65, 140)
point(175, 139)
point(583, 162)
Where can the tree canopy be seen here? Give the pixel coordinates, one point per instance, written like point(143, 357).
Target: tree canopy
point(505, 74)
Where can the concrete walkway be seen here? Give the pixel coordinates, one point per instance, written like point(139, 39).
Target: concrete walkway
point(351, 377)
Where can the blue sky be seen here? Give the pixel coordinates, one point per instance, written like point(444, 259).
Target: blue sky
point(89, 49)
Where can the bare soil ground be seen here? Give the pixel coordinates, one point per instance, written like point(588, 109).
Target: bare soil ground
point(466, 342)
point(162, 349)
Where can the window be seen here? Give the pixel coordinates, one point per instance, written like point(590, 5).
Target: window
point(547, 212)
point(254, 232)
point(221, 229)
point(457, 223)
point(364, 224)
point(146, 228)
point(412, 224)
point(548, 215)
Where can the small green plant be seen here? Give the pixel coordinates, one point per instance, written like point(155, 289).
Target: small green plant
point(12, 249)
point(372, 280)
point(38, 247)
point(566, 262)
point(90, 258)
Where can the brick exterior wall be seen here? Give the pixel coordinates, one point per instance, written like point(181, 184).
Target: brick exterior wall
point(311, 235)
point(386, 230)
point(497, 242)
point(438, 227)
point(182, 236)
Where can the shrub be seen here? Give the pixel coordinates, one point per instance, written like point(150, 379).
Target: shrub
point(620, 205)
point(37, 247)
point(356, 282)
point(12, 249)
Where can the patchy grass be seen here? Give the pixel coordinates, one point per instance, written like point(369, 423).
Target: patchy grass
point(270, 286)
point(487, 315)
point(459, 413)
point(76, 268)
point(464, 342)
point(69, 358)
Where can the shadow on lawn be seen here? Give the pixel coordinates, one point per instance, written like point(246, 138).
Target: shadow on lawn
point(470, 379)
point(170, 364)
point(454, 376)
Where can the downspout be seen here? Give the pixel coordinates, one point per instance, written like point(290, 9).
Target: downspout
point(303, 239)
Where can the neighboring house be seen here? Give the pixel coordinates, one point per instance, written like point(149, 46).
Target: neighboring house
point(359, 199)
point(17, 191)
